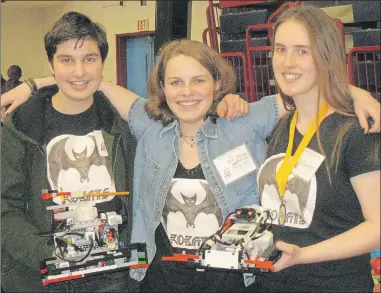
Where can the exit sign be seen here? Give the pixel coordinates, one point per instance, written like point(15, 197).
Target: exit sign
point(143, 25)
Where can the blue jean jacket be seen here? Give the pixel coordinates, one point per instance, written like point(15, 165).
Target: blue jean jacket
point(157, 158)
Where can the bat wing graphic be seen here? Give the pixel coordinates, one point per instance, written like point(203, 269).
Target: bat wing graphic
point(294, 185)
point(301, 189)
point(171, 204)
point(58, 160)
point(209, 204)
point(97, 160)
point(190, 211)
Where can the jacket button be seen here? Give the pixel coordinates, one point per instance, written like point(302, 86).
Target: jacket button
point(206, 164)
point(216, 189)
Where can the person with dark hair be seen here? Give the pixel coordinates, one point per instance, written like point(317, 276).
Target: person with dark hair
point(321, 180)
point(73, 111)
point(14, 74)
point(70, 121)
point(83, 27)
point(3, 109)
point(56, 121)
point(2, 81)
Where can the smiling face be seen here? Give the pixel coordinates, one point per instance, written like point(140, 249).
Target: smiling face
point(77, 67)
point(189, 89)
point(294, 66)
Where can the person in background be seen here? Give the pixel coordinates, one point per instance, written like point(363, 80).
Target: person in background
point(321, 180)
point(14, 74)
point(3, 109)
point(2, 81)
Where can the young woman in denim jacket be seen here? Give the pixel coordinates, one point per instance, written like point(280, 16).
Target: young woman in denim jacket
point(190, 172)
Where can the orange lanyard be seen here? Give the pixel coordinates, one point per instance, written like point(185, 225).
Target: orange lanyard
point(290, 162)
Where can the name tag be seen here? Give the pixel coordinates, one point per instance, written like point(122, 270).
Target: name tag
point(308, 164)
point(235, 164)
point(101, 146)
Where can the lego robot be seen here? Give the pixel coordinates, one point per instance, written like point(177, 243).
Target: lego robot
point(86, 242)
point(243, 243)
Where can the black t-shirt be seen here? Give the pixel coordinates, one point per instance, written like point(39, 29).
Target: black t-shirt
point(318, 210)
point(184, 225)
point(77, 124)
point(74, 161)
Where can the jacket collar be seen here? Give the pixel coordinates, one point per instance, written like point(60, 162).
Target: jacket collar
point(28, 121)
point(208, 129)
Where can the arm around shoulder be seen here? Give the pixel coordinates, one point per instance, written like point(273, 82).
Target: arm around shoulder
point(121, 98)
point(366, 107)
point(19, 95)
point(264, 115)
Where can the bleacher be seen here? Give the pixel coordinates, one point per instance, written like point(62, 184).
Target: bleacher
point(239, 30)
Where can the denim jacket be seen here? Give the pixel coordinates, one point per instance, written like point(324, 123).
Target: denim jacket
point(157, 156)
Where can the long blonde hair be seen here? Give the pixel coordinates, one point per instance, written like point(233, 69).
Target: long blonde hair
point(328, 52)
point(218, 67)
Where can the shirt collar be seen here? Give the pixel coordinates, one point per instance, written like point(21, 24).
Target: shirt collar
point(208, 129)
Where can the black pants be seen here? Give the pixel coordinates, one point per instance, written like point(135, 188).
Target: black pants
point(231, 282)
point(308, 283)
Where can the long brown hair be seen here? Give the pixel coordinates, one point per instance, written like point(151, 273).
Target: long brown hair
point(220, 70)
point(328, 52)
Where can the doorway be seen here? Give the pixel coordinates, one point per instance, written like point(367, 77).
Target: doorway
point(135, 60)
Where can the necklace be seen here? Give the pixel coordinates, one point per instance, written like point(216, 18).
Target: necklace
point(289, 161)
point(189, 140)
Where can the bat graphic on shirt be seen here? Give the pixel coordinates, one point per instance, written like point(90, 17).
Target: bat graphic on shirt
point(189, 208)
point(294, 185)
point(59, 159)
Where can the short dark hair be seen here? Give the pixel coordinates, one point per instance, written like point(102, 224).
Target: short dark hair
point(14, 72)
point(74, 25)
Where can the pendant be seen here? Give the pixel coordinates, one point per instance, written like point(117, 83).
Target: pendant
point(282, 214)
